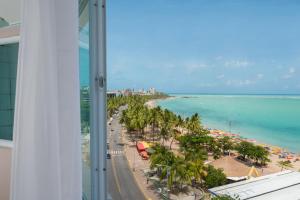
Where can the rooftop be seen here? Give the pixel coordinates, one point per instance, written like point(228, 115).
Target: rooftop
point(283, 185)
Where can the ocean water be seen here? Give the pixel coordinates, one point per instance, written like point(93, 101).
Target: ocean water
point(84, 67)
point(271, 119)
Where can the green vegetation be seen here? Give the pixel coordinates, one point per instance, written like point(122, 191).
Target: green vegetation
point(186, 167)
point(178, 170)
point(114, 103)
point(85, 110)
point(226, 144)
point(285, 164)
point(181, 166)
point(215, 177)
point(249, 151)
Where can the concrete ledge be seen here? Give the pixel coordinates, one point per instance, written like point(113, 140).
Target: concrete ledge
point(6, 143)
point(10, 34)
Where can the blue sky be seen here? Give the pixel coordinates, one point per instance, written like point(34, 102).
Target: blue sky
point(204, 46)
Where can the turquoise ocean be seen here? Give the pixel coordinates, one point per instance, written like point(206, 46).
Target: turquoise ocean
point(270, 119)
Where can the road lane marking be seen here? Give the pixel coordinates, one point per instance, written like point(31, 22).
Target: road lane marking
point(115, 175)
point(116, 152)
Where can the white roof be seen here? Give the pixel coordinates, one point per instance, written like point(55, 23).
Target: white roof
point(283, 185)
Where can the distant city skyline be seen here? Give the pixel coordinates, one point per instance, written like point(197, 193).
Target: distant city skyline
point(201, 46)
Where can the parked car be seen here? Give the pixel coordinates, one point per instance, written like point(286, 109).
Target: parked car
point(108, 156)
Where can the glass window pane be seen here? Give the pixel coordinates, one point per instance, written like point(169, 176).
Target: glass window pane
point(85, 97)
point(8, 72)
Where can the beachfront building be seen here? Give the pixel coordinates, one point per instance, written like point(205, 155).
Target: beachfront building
point(42, 152)
point(283, 185)
point(152, 90)
point(113, 93)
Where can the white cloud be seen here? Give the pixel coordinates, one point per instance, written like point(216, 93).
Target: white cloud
point(206, 85)
point(292, 70)
point(236, 63)
point(219, 58)
point(193, 66)
point(240, 82)
point(259, 76)
point(290, 73)
point(220, 76)
point(169, 65)
point(287, 76)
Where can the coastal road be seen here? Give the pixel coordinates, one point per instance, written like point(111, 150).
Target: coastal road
point(121, 182)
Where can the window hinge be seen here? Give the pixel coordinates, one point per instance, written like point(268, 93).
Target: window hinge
point(100, 81)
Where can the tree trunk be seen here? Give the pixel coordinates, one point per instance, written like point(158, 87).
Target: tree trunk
point(171, 143)
point(143, 131)
point(153, 132)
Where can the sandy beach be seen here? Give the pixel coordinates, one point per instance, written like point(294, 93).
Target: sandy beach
point(232, 167)
point(236, 168)
point(151, 103)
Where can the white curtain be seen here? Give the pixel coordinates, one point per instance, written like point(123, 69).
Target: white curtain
point(47, 153)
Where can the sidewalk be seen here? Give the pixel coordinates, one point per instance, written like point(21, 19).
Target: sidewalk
point(138, 165)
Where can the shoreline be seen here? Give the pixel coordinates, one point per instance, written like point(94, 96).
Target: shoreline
point(272, 121)
point(153, 103)
point(275, 151)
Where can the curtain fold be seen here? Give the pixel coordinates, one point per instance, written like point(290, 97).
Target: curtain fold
point(47, 152)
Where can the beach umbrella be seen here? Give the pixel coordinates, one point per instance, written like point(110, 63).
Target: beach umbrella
point(140, 146)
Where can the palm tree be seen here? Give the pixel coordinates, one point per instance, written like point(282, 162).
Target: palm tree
point(259, 153)
point(177, 122)
point(174, 135)
point(142, 118)
point(125, 120)
point(179, 173)
point(194, 124)
point(166, 124)
point(154, 116)
point(164, 134)
point(197, 169)
point(285, 164)
point(161, 157)
point(186, 124)
point(226, 144)
point(172, 167)
point(195, 157)
point(195, 154)
point(180, 123)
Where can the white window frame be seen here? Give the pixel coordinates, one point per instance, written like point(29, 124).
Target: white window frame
point(98, 89)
